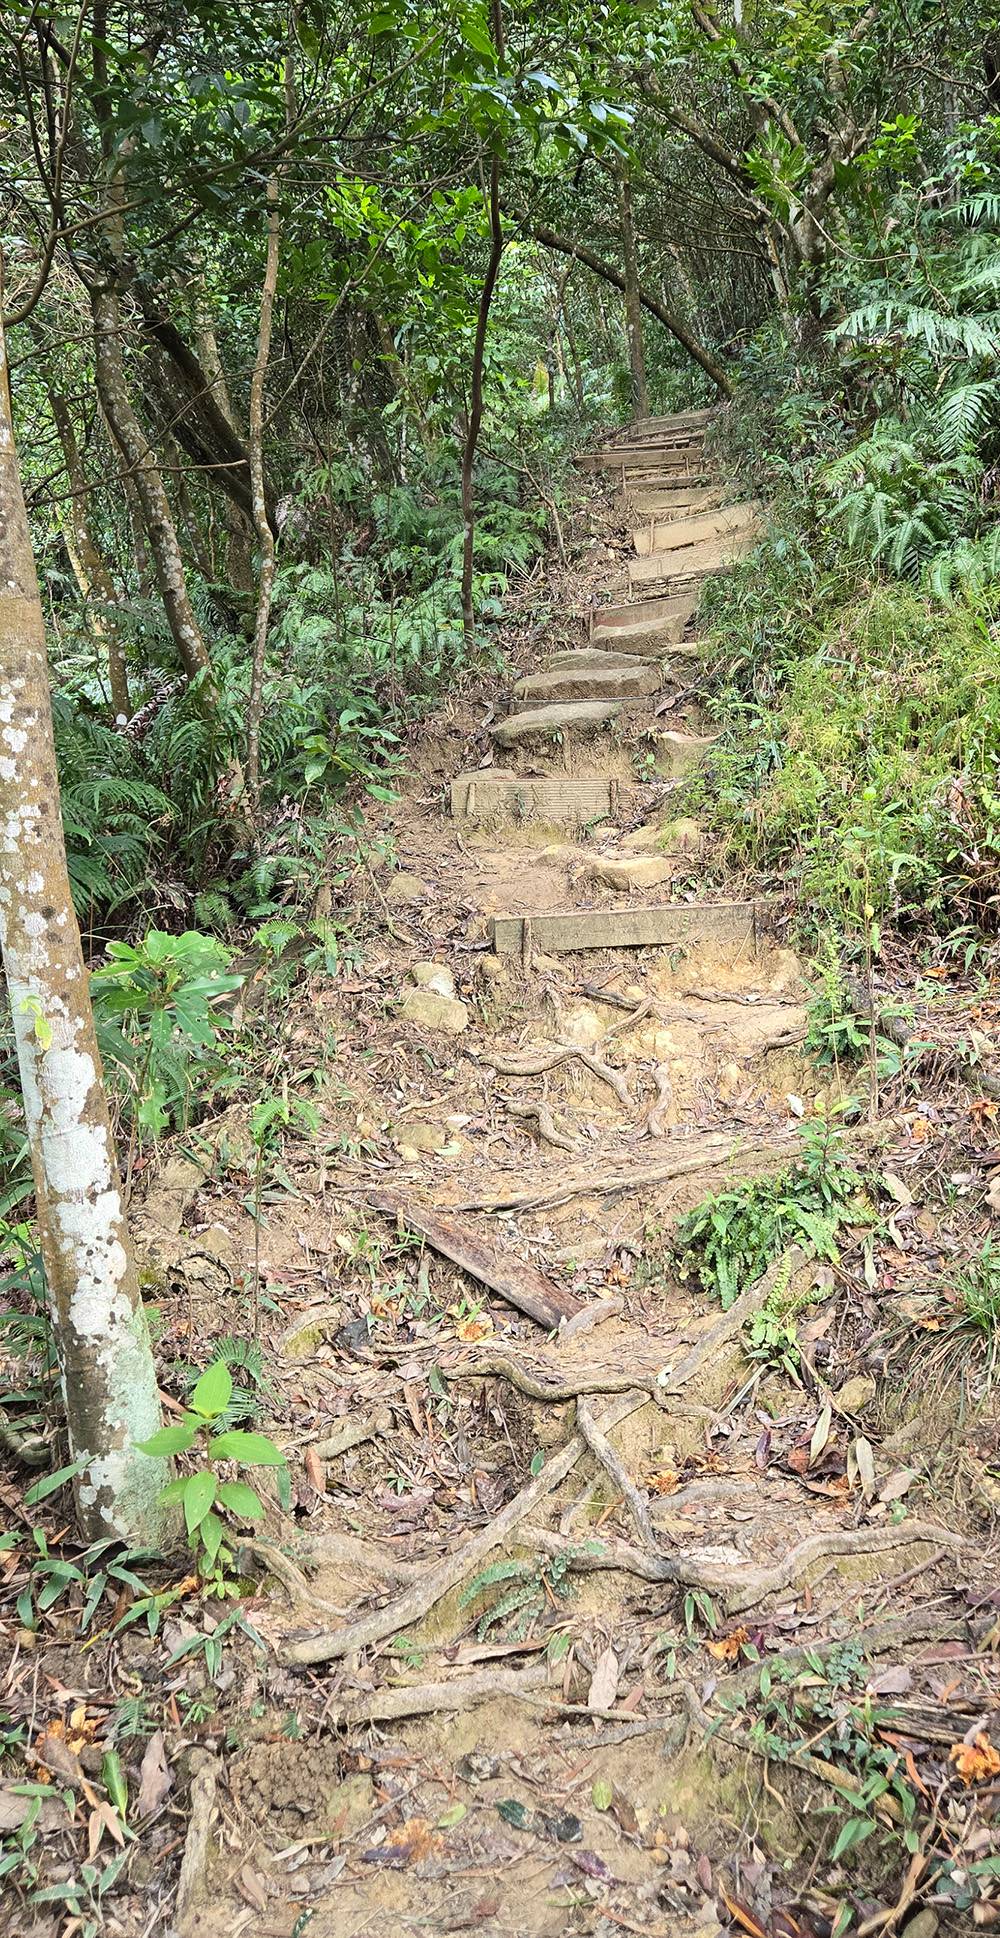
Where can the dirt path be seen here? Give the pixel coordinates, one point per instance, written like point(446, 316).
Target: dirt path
point(586, 1035)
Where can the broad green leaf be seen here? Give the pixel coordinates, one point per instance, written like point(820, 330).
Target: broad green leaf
point(214, 1390)
point(240, 1500)
point(199, 1493)
point(252, 1449)
point(169, 1440)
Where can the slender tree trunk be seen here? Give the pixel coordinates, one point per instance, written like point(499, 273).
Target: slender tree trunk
point(89, 565)
point(106, 1364)
point(633, 300)
point(137, 452)
point(239, 554)
point(140, 549)
point(475, 418)
point(265, 536)
point(608, 274)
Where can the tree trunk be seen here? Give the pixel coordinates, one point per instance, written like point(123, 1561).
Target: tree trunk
point(135, 448)
point(475, 417)
point(96, 585)
point(633, 300)
point(553, 240)
point(239, 553)
point(106, 1364)
point(265, 536)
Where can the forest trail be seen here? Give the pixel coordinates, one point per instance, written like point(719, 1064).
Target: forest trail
point(586, 1043)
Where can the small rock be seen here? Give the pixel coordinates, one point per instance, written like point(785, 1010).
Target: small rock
point(403, 889)
point(676, 754)
point(857, 1393)
point(547, 724)
point(641, 840)
point(680, 837)
point(434, 975)
point(414, 1137)
point(924, 1925)
point(433, 1012)
point(631, 871)
point(730, 1082)
point(492, 968)
point(316, 1328)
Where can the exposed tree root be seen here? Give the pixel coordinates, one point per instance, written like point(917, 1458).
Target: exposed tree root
point(417, 1600)
point(542, 1116)
point(538, 1386)
point(655, 1122)
point(535, 1063)
point(351, 1432)
point(709, 1154)
point(453, 1693)
point(203, 1792)
point(603, 1452)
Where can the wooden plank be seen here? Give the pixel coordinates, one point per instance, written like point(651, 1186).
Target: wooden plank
point(672, 605)
point(522, 1285)
point(479, 796)
point(630, 928)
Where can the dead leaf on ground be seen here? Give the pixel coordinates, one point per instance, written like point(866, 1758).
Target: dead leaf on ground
point(604, 1681)
point(975, 1762)
point(727, 1648)
point(155, 1778)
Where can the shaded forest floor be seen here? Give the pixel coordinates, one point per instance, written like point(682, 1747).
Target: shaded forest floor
point(732, 1669)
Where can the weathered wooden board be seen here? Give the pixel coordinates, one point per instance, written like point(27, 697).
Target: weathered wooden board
point(640, 610)
point(630, 928)
point(522, 1285)
point(674, 501)
point(691, 561)
point(646, 457)
point(483, 795)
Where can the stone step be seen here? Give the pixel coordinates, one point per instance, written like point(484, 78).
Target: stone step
point(544, 724)
point(648, 623)
point(598, 656)
point(678, 501)
point(591, 683)
point(657, 537)
point(493, 793)
point(725, 924)
point(689, 563)
point(685, 420)
point(677, 754)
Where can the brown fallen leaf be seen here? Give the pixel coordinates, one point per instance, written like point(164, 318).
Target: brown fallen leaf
point(975, 1762)
point(315, 1470)
point(604, 1681)
point(728, 1647)
point(155, 1778)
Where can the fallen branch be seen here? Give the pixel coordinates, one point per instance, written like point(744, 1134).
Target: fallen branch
point(523, 1286)
point(410, 1607)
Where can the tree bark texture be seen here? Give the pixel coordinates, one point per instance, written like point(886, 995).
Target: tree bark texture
point(137, 452)
point(97, 587)
point(106, 1364)
point(475, 417)
point(265, 536)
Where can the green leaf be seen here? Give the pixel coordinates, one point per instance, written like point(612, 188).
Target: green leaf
point(453, 1816)
point(240, 1500)
point(199, 1493)
point(214, 1391)
point(50, 1483)
point(212, 1535)
point(251, 1449)
point(113, 1779)
point(602, 1794)
point(169, 1440)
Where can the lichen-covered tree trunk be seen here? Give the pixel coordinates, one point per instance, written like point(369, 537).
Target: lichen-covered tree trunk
point(106, 1363)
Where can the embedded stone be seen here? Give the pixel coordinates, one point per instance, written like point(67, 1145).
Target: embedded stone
point(546, 723)
point(431, 1011)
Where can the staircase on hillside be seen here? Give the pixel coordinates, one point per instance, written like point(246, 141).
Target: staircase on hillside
point(573, 727)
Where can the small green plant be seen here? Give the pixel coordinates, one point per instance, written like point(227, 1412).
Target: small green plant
point(731, 1238)
point(162, 997)
point(211, 1504)
point(533, 1586)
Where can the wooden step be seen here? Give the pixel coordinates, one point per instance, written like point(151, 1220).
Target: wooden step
point(733, 924)
point(590, 682)
point(545, 724)
point(493, 794)
point(666, 456)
